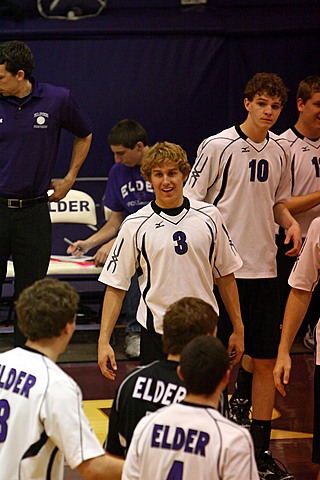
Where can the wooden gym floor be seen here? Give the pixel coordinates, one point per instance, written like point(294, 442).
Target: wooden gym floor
point(293, 416)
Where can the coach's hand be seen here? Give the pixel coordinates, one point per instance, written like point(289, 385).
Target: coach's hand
point(106, 356)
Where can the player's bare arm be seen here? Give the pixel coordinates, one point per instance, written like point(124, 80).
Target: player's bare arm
point(104, 467)
point(112, 304)
point(303, 203)
point(80, 151)
point(284, 218)
point(106, 233)
point(296, 308)
point(229, 293)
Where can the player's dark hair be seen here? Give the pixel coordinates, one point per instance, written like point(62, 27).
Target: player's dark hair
point(16, 55)
point(162, 153)
point(127, 133)
point(203, 363)
point(266, 83)
point(184, 320)
point(44, 308)
point(307, 87)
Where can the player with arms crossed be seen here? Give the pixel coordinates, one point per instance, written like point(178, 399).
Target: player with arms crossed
point(192, 439)
point(179, 247)
point(41, 414)
point(153, 386)
point(245, 172)
point(303, 280)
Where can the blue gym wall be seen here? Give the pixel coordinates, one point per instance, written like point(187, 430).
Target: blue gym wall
point(179, 70)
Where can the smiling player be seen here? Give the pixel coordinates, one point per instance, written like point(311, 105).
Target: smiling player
point(179, 247)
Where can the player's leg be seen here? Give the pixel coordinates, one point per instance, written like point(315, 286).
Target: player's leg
point(240, 402)
point(264, 328)
point(311, 319)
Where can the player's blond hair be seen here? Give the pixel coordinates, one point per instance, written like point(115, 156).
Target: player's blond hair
point(161, 154)
point(269, 84)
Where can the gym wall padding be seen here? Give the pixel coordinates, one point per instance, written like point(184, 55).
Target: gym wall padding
point(180, 71)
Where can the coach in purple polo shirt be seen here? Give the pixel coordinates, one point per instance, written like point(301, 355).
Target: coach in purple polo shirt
point(32, 115)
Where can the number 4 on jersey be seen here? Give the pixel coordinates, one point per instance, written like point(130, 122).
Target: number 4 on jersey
point(176, 471)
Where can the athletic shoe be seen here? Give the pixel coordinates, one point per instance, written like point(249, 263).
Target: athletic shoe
point(268, 469)
point(308, 339)
point(240, 411)
point(132, 345)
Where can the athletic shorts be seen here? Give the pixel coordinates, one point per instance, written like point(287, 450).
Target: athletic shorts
point(151, 348)
point(260, 310)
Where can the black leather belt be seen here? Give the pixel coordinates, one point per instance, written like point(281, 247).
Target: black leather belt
point(22, 202)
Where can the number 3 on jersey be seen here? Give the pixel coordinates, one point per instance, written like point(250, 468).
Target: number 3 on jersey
point(181, 246)
point(4, 415)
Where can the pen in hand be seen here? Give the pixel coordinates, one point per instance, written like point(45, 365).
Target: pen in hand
point(70, 243)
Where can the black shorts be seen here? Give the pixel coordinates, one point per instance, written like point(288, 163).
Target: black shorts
point(151, 348)
point(260, 310)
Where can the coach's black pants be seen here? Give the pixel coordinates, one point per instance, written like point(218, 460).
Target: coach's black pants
point(25, 234)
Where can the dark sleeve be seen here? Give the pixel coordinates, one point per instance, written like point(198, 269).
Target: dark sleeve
point(112, 442)
point(73, 118)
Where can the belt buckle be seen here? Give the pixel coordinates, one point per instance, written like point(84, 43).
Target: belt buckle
point(14, 203)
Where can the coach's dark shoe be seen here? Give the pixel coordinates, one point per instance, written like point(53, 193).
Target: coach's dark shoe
point(269, 468)
point(240, 411)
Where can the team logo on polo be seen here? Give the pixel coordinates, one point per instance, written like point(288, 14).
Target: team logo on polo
point(40, 120)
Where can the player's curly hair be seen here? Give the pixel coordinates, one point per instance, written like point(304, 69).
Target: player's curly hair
point(184, 320)
point(16, 55)
point(44, 308)
point(307, 87)
point(162, 153)
point(203, 364)
point(266, 83)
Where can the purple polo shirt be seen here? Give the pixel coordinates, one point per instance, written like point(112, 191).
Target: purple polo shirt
point(29, 137)
point(127, 191)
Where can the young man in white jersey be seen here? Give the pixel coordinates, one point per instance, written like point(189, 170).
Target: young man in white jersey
point(304, 140)
point(304, 205)
point(41, 415)
point(303, 280)
point(153, 386)
point(192, 439)
point(245, 172)
point(179, 247)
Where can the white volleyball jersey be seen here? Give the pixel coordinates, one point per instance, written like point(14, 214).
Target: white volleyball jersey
point(244, 180)
point(306, 270)
point(188, 441)
point(41, 417)
point(177, 255)
point(305, 168)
